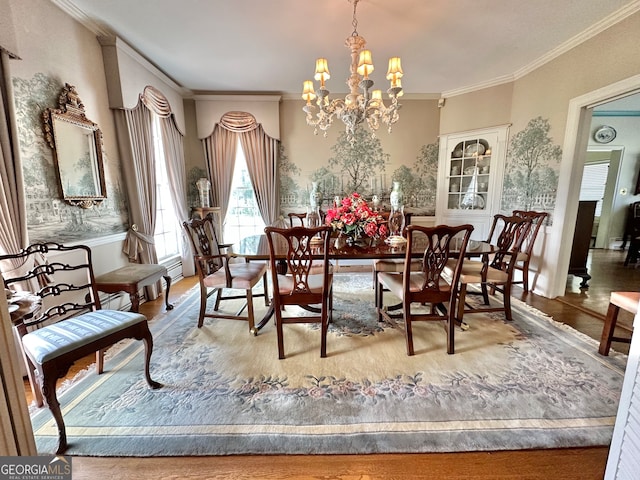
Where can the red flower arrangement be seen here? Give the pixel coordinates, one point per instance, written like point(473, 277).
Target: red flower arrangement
point(354, 218)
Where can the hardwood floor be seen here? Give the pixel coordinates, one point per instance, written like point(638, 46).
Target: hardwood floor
point(578, 463)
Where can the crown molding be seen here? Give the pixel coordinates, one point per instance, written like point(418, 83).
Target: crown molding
point(74, 12)
point(573, 42)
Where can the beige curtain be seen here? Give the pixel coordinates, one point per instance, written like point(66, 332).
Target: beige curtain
point(261, 152)
point(13, 214)
point(135, 141)
point(173, 142)
point(220, 153)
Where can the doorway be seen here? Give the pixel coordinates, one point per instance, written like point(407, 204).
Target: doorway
point(577, 136)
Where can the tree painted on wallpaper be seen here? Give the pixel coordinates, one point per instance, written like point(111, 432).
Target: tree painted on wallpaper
point(288, 172)
point(49, 218)
point(531, 181)
point(361, 163)
point(419, 183)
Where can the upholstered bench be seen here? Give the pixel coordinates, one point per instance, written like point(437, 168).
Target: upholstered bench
point(131, 278)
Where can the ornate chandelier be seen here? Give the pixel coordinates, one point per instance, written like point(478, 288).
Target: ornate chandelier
point(357, 106)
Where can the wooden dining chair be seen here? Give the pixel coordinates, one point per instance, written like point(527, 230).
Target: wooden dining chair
point(391, 264)
point(300, 285)
point(524, 257)
point(218, 271)
point(296, 219)
point(427, 285)
point(68, 322)
point(627, 301)
point(495, 270)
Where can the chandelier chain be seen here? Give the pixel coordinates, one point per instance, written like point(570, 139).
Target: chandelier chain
point(354, 22)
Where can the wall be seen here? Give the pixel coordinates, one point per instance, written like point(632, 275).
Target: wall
point(55, 50)
point(405, 155)
point(627, 138)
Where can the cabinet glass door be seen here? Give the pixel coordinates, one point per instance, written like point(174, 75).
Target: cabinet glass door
point(469, 173)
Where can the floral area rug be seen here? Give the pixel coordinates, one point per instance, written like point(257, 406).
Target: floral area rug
point(530, 383)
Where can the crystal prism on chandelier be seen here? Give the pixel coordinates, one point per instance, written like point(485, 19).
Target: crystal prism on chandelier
point(357, 106)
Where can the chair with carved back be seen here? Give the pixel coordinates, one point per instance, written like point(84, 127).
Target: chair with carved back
point(392, 264)
point(495, 270)
point(56, 284)
point(218, 271)
point(300, 284)
point(427, 285)
point(524, 257)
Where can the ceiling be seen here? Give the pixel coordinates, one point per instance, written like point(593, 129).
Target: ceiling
point(270, 46)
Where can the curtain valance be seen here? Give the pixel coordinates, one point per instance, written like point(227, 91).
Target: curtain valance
point(238, 122)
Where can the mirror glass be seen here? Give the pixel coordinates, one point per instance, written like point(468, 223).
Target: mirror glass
point(77, 146)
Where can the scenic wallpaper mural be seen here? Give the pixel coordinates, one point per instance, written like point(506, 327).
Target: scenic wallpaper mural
point(532, 169)
point(49, 218)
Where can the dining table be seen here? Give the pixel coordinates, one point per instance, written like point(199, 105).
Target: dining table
point(256, 248)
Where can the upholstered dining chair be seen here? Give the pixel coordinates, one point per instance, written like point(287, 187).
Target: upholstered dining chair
point(427, 285)
point(495, 270)
point(300, 285)
point(60, 320)
point(392, 264)
point(524, 257)
point(218, 271)
point(627, 301)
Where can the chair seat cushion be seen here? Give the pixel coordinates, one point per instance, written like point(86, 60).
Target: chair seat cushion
point(285, 283)
point(471, 272)
point(243, 276)
point(626, 300)
point(50, 342)
point(395, 265)
point(394, 282)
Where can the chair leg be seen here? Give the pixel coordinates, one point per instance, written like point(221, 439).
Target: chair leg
point(266, 290)
point(324, 327)
point(279, 332)
point(525, 276)
point(461, 300)
point(609, 327)
point(408, 330)
point(148, 350)
point(451, 329)
point(49, 393)
point(379, 306)
point(252, 328)
point(204, 295)
point(506, 300)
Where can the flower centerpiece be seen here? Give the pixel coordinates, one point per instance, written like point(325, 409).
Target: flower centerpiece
point(354, 219)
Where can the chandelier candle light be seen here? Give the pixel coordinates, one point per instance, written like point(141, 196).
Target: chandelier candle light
point(357, 106)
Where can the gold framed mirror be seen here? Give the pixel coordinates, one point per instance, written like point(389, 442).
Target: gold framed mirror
point(77, 147)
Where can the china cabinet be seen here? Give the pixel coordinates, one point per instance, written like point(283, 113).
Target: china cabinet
point(471, 167)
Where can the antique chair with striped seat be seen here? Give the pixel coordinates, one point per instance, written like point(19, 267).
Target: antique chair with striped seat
point(627, 301)
point(70, 323)
point(427, 285)
point(218, 271)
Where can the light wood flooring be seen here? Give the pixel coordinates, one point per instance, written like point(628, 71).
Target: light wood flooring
point(582, 309)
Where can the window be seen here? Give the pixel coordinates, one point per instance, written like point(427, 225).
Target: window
point(167, 232)
point(594, 181)
point(243, 217)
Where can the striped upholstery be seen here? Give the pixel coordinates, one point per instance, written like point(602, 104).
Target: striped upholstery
point(49, 342)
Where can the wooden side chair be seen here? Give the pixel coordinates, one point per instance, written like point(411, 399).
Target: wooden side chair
point(68, 323)
point(392, 264)
point(427, 285)
point(627, 301)
point(300, 285)
point(496, 270)
point(297, 219)
point(218, 271)
point(524, 257)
